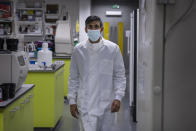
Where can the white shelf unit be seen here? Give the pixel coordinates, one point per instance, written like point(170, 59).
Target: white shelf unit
point(6, 19)
point(6, 36)
point(52, 14)
point(37, 21)
point(29, 22)
point(41, 9)
point(50, 24)
point(9, 20)
point(35, 35)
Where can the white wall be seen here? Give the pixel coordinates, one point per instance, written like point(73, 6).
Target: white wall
point(166, 97)
point(150, 66)
point(84, 12)
point(180, 69)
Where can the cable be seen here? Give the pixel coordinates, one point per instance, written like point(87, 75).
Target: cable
point(180, 19)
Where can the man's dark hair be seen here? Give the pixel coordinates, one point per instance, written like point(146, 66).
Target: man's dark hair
point(93, 18)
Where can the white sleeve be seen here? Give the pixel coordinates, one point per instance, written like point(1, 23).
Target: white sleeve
point(73, 79)
point(119, 75)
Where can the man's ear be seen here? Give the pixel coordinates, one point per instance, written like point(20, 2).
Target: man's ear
point(102, 29)
point(86, 30)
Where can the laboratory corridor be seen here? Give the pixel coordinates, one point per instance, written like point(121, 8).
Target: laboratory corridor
point(81, 54)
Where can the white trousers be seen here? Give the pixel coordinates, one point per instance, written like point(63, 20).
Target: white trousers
point(94, 123)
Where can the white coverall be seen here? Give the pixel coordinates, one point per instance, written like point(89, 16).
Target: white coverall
point(97, 77)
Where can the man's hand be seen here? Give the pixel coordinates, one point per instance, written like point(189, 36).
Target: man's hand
point(115, 106)
point(74, 110)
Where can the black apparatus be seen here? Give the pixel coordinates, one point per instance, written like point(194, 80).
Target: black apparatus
point(1, 43)
point(7, 91)
point(12, 44)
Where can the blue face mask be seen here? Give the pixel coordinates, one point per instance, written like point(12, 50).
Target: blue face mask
point(94, 35)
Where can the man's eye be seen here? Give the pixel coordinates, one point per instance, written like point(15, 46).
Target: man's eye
point(90, 26)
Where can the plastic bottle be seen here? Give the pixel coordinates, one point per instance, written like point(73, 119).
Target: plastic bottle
point(75, 41)
point(45, 56)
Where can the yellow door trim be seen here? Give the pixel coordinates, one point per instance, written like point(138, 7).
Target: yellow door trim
point(120, 36)
point(106, 30)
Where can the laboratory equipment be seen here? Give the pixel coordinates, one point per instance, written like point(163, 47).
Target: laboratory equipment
point(5, 92)
point(45, 56)
point(1, 43)
point(31, 49)
point(12, 44)
point(8, 90)
point(13, 68)
point(1, 94)
point(63, 42)
point(75, 41)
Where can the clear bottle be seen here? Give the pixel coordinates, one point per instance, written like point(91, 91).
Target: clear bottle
point(45, 56)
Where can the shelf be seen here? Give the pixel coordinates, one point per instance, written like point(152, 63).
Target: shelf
point(35, 35)
point(50, 24)
point(29, 22)
point(32, 34)
point(6, 19)
point(49, 34)
point(52, 16)
point(5, 36)
point(29, 9)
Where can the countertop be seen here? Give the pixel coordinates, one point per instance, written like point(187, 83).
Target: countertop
point(25, 88)
point(61, 57)
point(56, 67)
point(54, 57)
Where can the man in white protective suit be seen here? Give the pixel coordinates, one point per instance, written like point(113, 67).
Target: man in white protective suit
point(97, 79)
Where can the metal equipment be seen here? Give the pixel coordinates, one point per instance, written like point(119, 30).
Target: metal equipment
point(63, 42)
point(13, 68)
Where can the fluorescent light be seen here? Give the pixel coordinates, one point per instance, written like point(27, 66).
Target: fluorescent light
point(114, 13)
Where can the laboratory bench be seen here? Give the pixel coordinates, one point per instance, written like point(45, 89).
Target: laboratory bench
point(48, 95)
point(16, 114)
point(61, 57)
point(50, 69)
point(67, 61)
